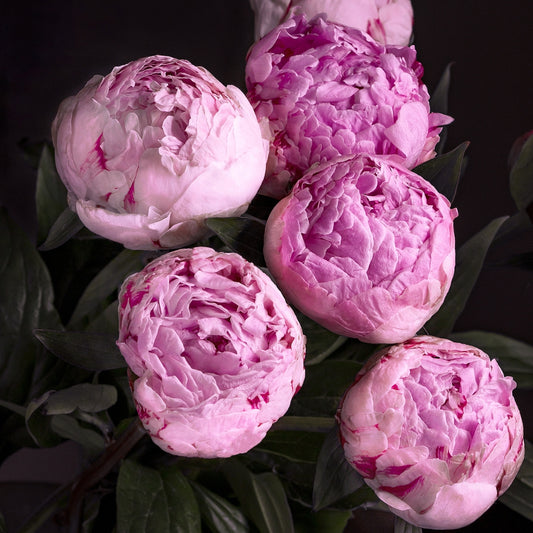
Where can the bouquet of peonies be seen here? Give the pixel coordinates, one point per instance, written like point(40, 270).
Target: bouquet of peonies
point(264, 338)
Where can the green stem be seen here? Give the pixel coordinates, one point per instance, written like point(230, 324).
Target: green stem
point(117, 450)
point(314, 424)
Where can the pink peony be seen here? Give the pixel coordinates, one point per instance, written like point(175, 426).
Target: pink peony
point(326, 90)
point(364, 247)
point(433, 427)
point(155, 147)
point(217, 351)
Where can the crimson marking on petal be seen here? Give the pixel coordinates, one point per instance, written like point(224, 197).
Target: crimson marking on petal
point(266, 397)
point(396, 470)
point(402, 490)
point(100, 152)
point(129, 200)
point(366, 466)
point(254, 402)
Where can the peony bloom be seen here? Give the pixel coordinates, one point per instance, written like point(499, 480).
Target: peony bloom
point(217, 351)
point(364, 247)
point(433, 427)
point(326, 90)
point(155, 147)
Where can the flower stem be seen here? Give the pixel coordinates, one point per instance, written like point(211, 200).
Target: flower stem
point(77, 488)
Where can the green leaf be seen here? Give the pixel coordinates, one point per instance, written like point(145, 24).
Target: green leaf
point(324, 387)
point(83, 349)
point(468, 264)
point(26, 304)
point(13, 407)
point(38, 425)
point(262, 497)
point(521, 177)
point(50, 193)
point(300, 446)
point(320, 342)
point(514, 357)
point(85, 397)
point(66, 226)
point(401, 526)
point(325, 521)
point(220, 515)
point(519, 496)
point(439, 97)
point(106, 322)
point(243, 235)
point(444, 171)
point(69, 428)
point(108, 280)
point(3, 528)
point(150, 501)
point(335, 478)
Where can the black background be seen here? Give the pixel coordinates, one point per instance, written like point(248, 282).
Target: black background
point(50, 49)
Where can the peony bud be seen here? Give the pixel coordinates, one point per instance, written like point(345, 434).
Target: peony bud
point(434, 429)
point(217, 351)
point(325, 90)
point(155, 147)
point(364, 247)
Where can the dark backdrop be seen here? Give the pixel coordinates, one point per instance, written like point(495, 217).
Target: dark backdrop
point(50, 49)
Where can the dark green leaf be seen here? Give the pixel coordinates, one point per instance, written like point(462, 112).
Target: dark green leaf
point(521, 178)
point(150, 501)
point(324, 387)
point(243, 235)
point(83, 349)
point(261, 206)
point(108, 280)
point(13, 407)
point(69, 428)
point(439, 97)
point(220, 515)
point(444, 171)
point(106, 322)
point(298, 446)
point(85, 397)
point(262, 497)
point(401, 526)
point(66, 226)
point(468, 264)
point(38, 425)
point(50, 194)
point(26, 304)
point(3, 528)
point(325, 521)
point(335, 478)
point(514, 357)
point(320, 341)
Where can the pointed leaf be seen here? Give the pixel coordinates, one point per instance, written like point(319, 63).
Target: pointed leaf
point(514, 357)
point(521, 178)
point(85, 397)
point(439, 97)
point(150, 501)
point(468, 264)
point(50, 193)
point(66, 226)
point(444, 171)
point(220, 515)
point(108, 280)
point(83, 349)
point(262, 497)
point(335, 478)
point(38, 425)
point(26, 304)
point(243, 235)
point(69, 428)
